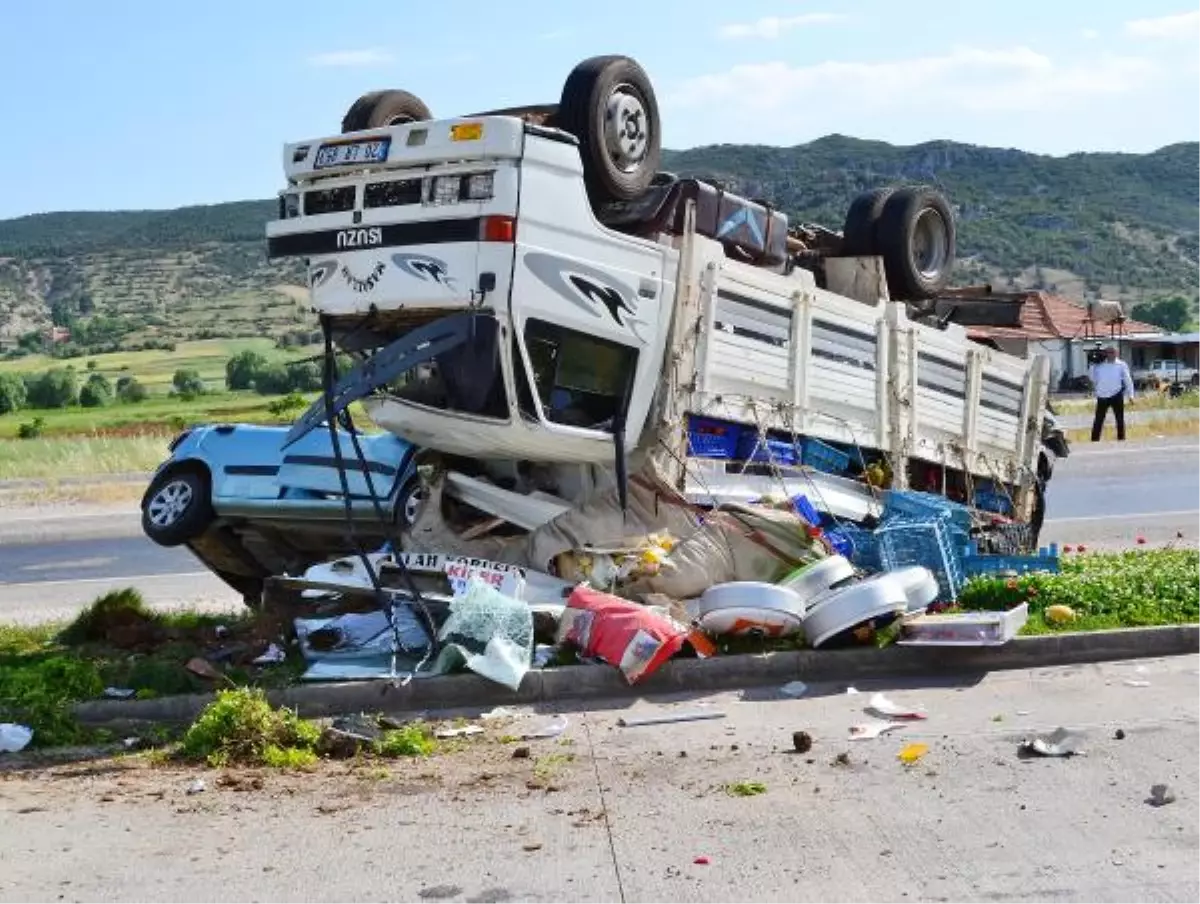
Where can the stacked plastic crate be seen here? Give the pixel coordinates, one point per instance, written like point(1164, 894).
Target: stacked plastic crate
point(928, 530)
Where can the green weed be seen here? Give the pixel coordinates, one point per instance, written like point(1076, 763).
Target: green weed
point(241, 727)
point(411, 740)
point(745, 789)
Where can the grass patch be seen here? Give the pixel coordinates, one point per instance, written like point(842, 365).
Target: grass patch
point(745, 789)
point(1145, 402)
point(241, 728)
point(410, 740)
point(1131, 589)
point(1144, 430)
point(119, 642)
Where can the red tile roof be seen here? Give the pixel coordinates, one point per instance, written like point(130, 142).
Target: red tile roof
point(1045, 316)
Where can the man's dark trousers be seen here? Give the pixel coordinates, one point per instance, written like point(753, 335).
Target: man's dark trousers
point(1117, 404)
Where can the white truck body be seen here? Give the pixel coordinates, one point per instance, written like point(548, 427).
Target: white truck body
point(578, 308)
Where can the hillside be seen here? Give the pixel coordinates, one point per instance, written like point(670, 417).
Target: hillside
point(1121, 224)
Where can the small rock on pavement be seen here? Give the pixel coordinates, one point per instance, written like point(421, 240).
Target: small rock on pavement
point(520, 753)
point(1160, 796)
point(197, 786)
point(802, 741)
point(1120, 734)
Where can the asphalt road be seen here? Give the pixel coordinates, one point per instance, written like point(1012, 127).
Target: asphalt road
point(606, 813)
point(1104, 495)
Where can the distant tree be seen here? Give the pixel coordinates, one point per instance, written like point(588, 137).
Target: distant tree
point(187, 383)
point(242, 370)
point(55, 388)
point(1170, 313)
point(12, 393)
point(306, 377)
point(96, 379)
point(130, 391)
point(95, 393)
point(275, 379)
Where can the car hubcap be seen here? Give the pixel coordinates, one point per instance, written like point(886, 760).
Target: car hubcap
point(930, 247)
point(626, 129)
point(167, 506)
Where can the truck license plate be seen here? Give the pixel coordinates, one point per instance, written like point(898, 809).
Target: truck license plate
point(374, 150)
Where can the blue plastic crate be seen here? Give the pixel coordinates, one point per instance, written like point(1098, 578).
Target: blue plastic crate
point(989, 499)
point(806, 510)
point(753, 447)
point(931, 543)
point(974, 564)
point(915, 504)
point(711, 438)
point(823, 456)
point(857, 544)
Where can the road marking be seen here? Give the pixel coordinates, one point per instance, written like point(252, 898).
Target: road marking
point(1128, 517)
point(130, 577)
point(1084, 453)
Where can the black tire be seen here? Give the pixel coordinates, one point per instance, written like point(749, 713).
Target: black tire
point(858, 233)
point(178, 507)
point(618, 164)
point(409, 502)
point(384, 108)
point(916, 236)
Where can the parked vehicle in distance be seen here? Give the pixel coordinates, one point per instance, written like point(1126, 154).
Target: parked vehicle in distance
point(249, 510)
point(1163, 373)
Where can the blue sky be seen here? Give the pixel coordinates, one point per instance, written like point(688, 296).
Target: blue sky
point(135, 104)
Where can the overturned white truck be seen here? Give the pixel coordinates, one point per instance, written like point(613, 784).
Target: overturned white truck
point(525, 293)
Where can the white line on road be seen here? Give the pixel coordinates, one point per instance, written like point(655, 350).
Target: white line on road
point(1129, 517)
point(121, 577)
point(68, 516)
point(1140, 450)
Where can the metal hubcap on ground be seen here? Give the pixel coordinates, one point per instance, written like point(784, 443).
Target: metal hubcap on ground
point(168, 505)
point(930, 247)
point(626, 130)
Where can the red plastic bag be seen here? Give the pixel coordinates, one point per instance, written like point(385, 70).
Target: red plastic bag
point(623, 634)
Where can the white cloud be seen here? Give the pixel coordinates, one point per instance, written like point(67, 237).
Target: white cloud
point(1181, 26)
point(1090, 34)
point(967, 79)
point(771, 27)
point(351, 58)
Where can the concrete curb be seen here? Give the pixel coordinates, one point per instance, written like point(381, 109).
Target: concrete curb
point(689, 675)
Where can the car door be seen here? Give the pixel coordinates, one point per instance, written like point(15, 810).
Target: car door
point(311, 480)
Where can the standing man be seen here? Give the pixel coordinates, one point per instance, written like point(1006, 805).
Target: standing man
point(1113, 386)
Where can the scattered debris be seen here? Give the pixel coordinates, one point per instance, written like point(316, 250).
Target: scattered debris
point(1160, 796)
point(465, 731)
point(202, 668)
point(14, 737)
point(635, 721)
point(701, 861)
point(499, 712)
point(1059, 742)
point(348, 736)
point(912, 753)
point(272, 655)
point(137, 743)
point(802, 741)
point(550, 730)
point(198, 786)
point(520, 753)
point(118, 693)
point(794, 689)
point(1136, 682)
point(852, 690)
point(1059, 614)
point(439, 892)
point(842, 759)
point(531, 847)
point(1120, 734)
point(868, 730)
point(881, 706)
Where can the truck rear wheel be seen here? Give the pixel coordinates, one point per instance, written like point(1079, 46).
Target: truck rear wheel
point(916, 238)
point(858, 234)
point(608, 104)
point(384, 108)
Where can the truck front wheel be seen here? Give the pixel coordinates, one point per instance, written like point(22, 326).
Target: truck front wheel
point(608, 104)
point(384, 108)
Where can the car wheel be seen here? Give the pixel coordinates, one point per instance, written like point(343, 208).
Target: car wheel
point(177, 508)
point(384, 108)
point(408, 506)
point(858, 232)
point(916, 238)
point(609, 105)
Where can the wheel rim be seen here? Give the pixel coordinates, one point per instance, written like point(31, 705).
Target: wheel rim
point(626, 128)
point(399, 120)
point(412, 505)
point(930, 245)
point(167, 506)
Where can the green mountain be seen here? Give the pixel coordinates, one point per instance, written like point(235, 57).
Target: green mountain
point(1123, 225)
